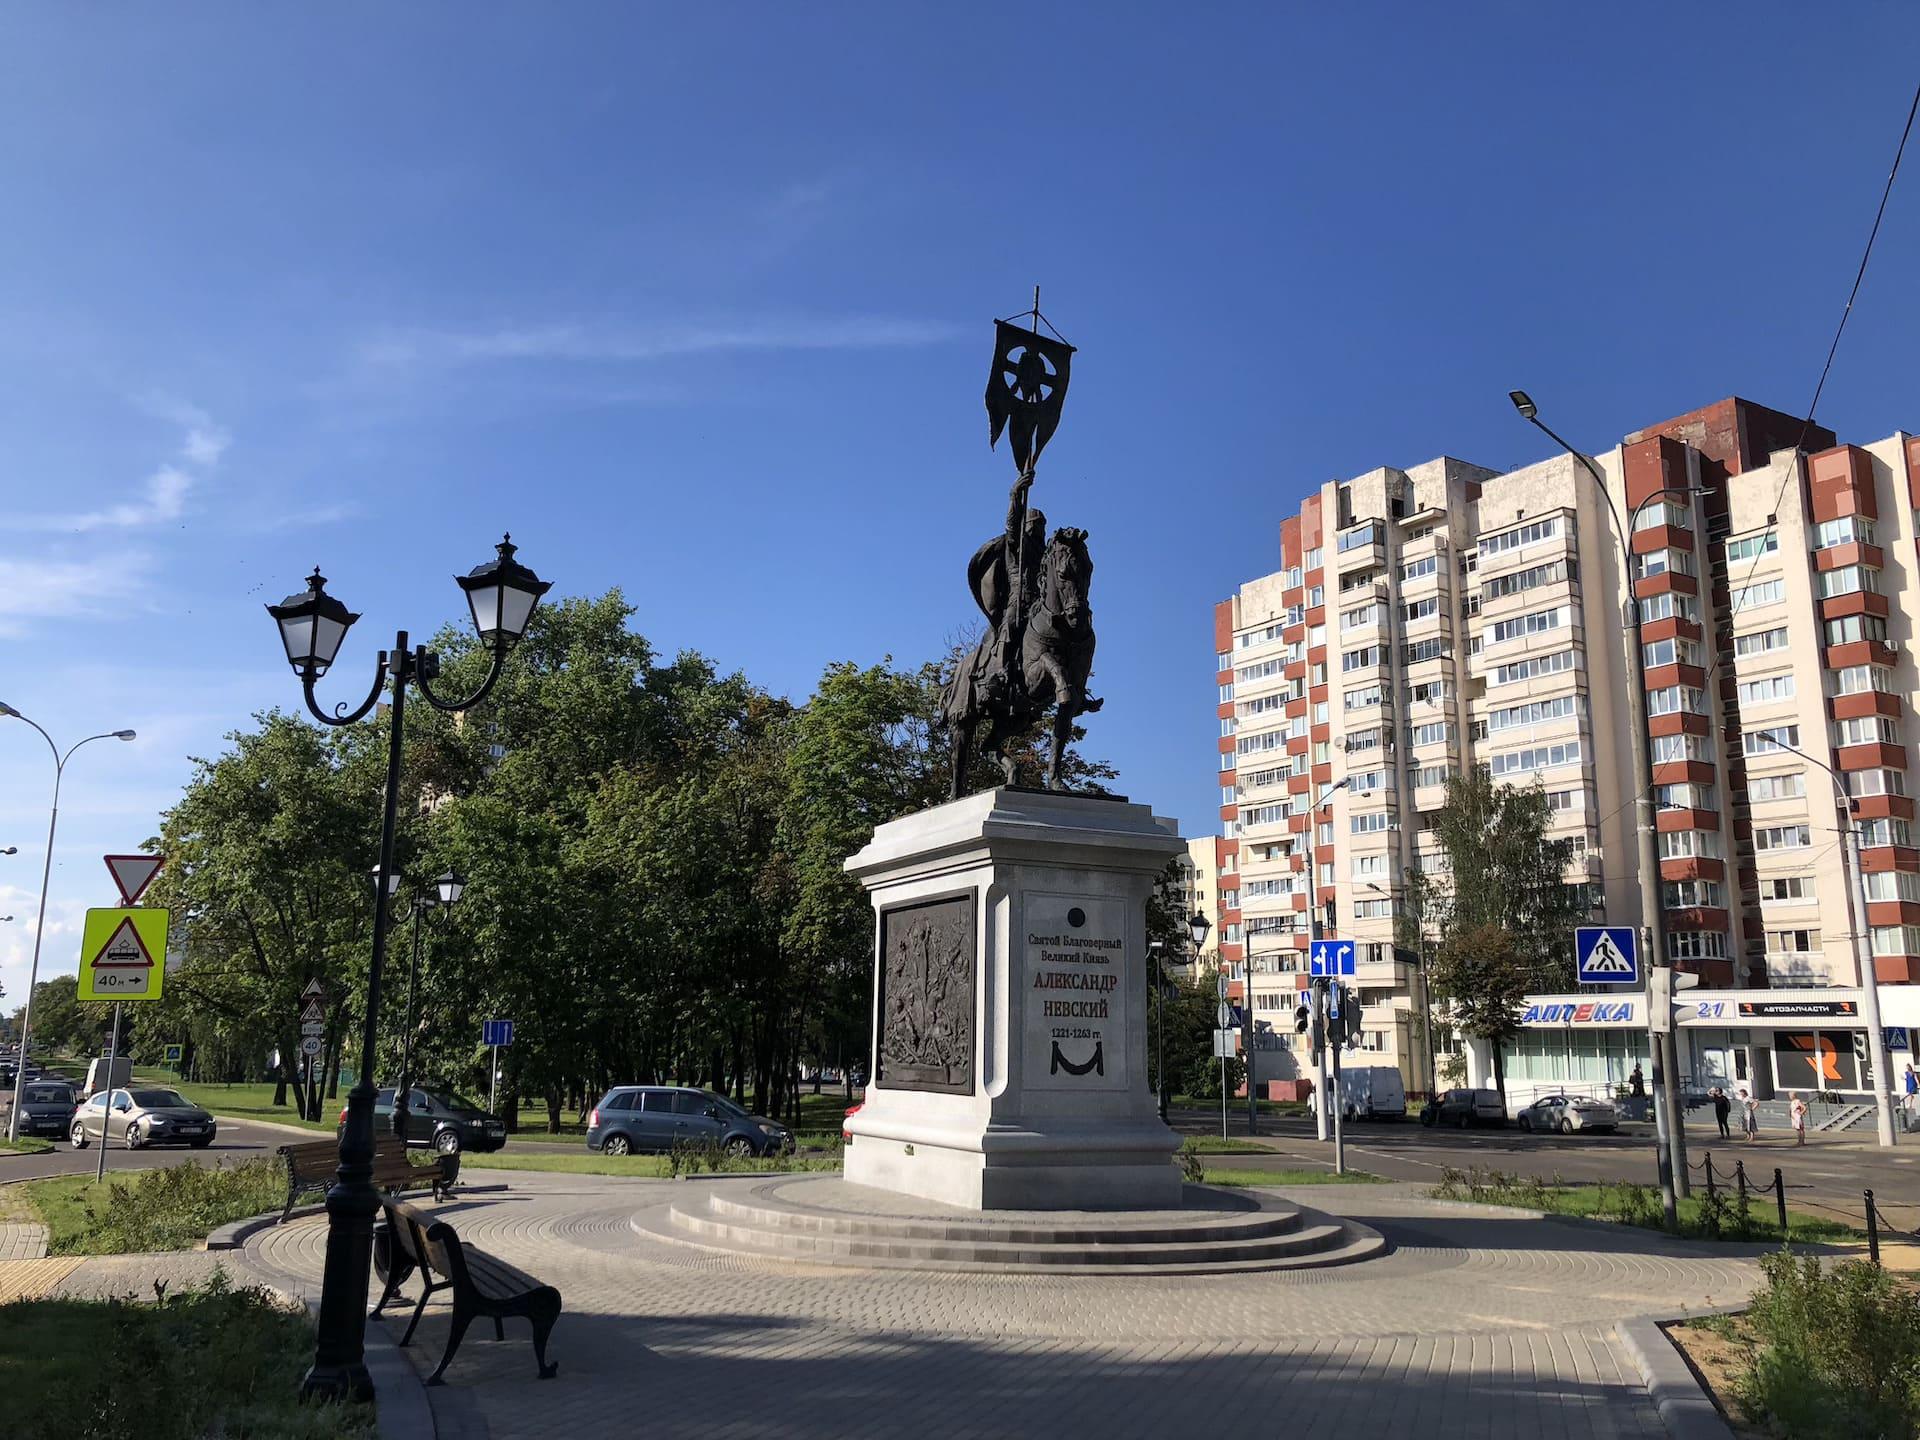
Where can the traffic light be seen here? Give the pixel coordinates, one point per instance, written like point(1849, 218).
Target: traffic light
point(1302, 1017)
point(1350, 1018)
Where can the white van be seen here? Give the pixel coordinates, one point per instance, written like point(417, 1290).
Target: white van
point(1373, 1092)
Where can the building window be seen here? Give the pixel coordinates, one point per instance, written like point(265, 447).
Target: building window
point(1543, 529)
point(1678, 517)
point(1847, 530)
point(1771, 741)
point(1537, 712)
point(1686, 797)
point(1896, 939)
point(1554, 572)
point(1849, 580)
point(1893, 885)
point(1662, 562)
point(1372, 657)
point(1670, 652)
point(1372, 533)
point(1420, 609)
point(1432, 775)
point(1761, 641)
point(1766, 592)
point(1866, 730)
point(1792, 942)
point(1885, 831)
point(1852, 628)
point(1782, 837)
point(1696, 945)
point(1749, 547)
point(1689, 844)
point(1677, 699)
point(1876, 782)
point(1670, 606)
point(1536, 665)
point(1536, 622)
point(1373, 909)
point(1416, 569)
point(1785, 888)
point(1691, 894)
point(1668, 749)
point(1861, 679)
point(1540, 757)
point(1372, 822)
point(1766, 689)
point(1778, 787)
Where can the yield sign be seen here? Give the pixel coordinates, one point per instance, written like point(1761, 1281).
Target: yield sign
point(133, 873)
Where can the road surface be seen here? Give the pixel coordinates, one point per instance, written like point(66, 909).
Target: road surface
point(235, 1140)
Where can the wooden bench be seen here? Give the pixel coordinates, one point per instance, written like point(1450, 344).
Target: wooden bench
point(410, 1239)
point(311, 1166)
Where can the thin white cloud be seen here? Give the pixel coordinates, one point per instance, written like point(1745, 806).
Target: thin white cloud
point(163, 494)
point(404, 349)
point(40, 588)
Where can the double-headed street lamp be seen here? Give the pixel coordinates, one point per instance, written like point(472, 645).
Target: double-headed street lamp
point(502, 595)
point(46, 877)
point(444, 895)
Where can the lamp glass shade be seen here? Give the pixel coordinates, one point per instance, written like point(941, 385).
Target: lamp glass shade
point(1198, 927)
point(393, 880)
point(450, 887)
point(502, 595)
point(312, 625)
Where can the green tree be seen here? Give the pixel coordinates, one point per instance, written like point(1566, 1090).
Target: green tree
point(1496, 916)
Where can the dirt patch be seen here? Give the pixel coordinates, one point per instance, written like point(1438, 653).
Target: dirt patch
point(1719, 1351)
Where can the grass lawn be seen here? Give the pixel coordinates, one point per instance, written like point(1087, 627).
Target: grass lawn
point(656, 1166)
point(1629, 1204)
point(1214, 1175)
point(245, 1102)
point(217, 1361)
point(141, 1210)
point(1222, 1145)
point(25, 1145)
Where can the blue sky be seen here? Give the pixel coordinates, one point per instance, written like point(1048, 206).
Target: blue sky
point(701, 309)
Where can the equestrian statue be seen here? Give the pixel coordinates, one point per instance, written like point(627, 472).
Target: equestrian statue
point(1037, 651)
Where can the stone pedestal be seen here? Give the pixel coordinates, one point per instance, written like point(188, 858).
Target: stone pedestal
point(1011, 1006)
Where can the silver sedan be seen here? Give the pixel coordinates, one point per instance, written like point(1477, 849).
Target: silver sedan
point(1568, 1113)
point(147, 1115)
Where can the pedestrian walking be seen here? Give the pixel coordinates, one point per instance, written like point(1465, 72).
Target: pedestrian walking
point(1749, 1117)
point(1637, 1082)
point(1722, 1108)
point(1798, 1110)
point(1910, 1082)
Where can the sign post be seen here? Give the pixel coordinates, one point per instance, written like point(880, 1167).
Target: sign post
point(495, 1033)
point(313, 1028)
point(118, 950)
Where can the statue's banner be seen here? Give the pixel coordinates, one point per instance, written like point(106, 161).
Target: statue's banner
point(1026, 389)
point(1076, 996)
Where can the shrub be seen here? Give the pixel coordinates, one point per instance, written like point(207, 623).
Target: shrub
point(1192, 1169)
point(212, 1362)
point(175, 1207)
point(1495, 1187)
point(1838, 1350)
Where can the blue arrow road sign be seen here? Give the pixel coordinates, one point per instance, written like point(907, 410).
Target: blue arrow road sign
point(1608, 954)
point(496, 1032)
point(1330, 957)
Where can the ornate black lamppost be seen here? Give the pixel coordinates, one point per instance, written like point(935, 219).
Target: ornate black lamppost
point(502, 595)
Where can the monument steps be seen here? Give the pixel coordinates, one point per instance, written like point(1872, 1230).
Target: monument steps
point(824, 1221)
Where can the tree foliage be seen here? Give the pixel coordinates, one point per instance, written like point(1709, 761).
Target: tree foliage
point(1495, 919)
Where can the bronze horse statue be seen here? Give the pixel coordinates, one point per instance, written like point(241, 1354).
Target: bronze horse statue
point(1037, 654)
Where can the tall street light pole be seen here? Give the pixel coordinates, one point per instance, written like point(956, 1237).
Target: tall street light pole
point(40, 925)
point(1862, 947)
point(1671, 1131)
point(502, 595)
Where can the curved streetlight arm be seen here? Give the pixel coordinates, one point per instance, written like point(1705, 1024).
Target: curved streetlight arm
point(340, 716)
point(40, 924)
point(427, 665)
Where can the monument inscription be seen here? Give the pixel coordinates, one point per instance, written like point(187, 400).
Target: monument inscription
point(926, 999)
point(1076, 996)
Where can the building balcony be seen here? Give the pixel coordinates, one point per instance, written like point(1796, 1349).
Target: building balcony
point(1866, 702)
point(1857, 552)
point(1875, 756)
point(1883, 807)
point(1860, 652)
point(1861, 602)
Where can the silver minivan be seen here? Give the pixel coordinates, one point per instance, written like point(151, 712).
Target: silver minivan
point(636, 1119)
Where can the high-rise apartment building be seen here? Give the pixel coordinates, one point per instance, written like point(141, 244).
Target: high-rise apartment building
point(1446, 615)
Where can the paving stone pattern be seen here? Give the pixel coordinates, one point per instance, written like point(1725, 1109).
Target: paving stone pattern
point(1479, 1324)
point(21, 1241)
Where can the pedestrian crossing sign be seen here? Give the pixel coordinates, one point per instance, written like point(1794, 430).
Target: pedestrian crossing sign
point(1608, 954)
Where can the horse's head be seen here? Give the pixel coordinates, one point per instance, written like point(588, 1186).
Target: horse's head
point(1069, 573)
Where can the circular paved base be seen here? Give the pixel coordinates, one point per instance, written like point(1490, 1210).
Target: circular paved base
point(824, 1220)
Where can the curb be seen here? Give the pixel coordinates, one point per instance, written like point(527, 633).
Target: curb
point(235, 1233)
point(1685, 1408)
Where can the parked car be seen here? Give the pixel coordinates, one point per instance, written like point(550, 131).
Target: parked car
point(439, 1120)
point(637, 1118)
point(1568, 1113)
point(1464, 1108)
point(140, 1117)
point(46, 1107)
point(1373, 1092)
